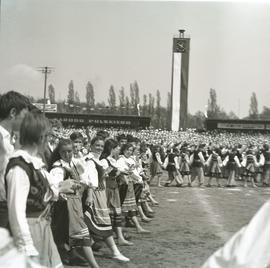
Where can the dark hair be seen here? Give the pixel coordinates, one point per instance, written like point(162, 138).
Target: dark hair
point(12, 100)
point(121, 137)
point(130, 138)
point(55, 154)
point(34, 126)
point(125, 147)
point(76, 135)
point(104, 134)
point(108, 146)
point(156, 149)
point(95, 139)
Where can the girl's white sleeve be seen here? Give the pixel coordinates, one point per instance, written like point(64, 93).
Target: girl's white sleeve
point(208, 160)
point(92, 174)
point(225, 161)
point(201, 157)
point(176, 162)
point(17, 193)
point(262, 160)
point(121, 165)
point(158, 158)
point(166, 162)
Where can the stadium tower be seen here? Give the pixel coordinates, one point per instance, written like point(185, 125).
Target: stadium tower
point(179, 83)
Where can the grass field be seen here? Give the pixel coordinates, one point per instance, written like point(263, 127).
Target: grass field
point(189, 225)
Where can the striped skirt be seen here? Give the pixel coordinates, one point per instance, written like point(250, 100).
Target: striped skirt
point(78, 231)
point(97, 217)
point(128, 200)
point(114, 205)
point(184, 169)
point(214, 169)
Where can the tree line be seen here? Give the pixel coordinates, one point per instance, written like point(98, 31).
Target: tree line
point(215, 111)
point(130, 103)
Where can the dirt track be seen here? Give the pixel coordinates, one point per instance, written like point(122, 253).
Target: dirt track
point(189, 225)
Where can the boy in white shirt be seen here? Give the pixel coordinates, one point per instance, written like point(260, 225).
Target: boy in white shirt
point(13, 108)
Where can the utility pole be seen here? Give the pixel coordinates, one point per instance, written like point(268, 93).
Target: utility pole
point(45, 70)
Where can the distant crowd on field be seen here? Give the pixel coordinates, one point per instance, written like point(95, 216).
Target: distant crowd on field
point(188, 155)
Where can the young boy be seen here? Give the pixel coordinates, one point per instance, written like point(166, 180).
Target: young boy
point(13, 108)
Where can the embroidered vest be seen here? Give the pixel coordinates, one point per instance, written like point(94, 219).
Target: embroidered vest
point(38, 184)
point(250, 159)
point(231, 157)
point(214, 157)
point(171, 157)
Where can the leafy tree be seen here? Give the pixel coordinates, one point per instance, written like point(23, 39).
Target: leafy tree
point(122, 100)
point(51, 93)
point(136, 93)
point(158, 107)
point(122, 97)
point(232, 115)
point(144, 109)
point(132, 99)
point(213, 108)
point(90, 95)
point(253, 107)
point(265, 113)
point(71, 93)
point(151, 105)
point(127, 105)
point(77, 97)
point(112, 98)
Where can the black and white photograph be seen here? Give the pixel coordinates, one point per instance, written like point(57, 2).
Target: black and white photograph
point(134, 134)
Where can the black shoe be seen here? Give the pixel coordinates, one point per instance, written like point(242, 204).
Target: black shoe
point(96, 246)
point(126, 236)
point(149, 215)
point(166, 185)
point(74, 259)
point(130, 224)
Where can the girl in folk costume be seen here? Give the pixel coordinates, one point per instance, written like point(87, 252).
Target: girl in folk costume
point(266, 167)
point(127, 165)
point(171, 163)
point(148, 212)
point(184, 167)
point(77, 142)
point(260, 160)
point(250, 164)
point(232, 164)
point(29, 194)
point(108, 157)
point(197, 162)
point(68, 220)
point(138, 183)
point(97, 213)
point(214, 164)
point(145, 173)
point(156, 165)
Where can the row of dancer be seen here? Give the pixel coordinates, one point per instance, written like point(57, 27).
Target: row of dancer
point(184, 162)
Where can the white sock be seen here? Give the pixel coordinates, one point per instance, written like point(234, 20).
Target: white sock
point(115, 250)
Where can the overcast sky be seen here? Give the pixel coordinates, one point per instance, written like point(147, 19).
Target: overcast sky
point(119, 42)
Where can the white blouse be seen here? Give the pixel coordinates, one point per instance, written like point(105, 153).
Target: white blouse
point(18, 190)
point(124, 164)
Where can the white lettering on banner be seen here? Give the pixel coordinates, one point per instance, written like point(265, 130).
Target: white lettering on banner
point(176, 86)
point(49, 108)
point(240, 126)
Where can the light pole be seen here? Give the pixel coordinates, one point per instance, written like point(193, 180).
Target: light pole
point(45, 70)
